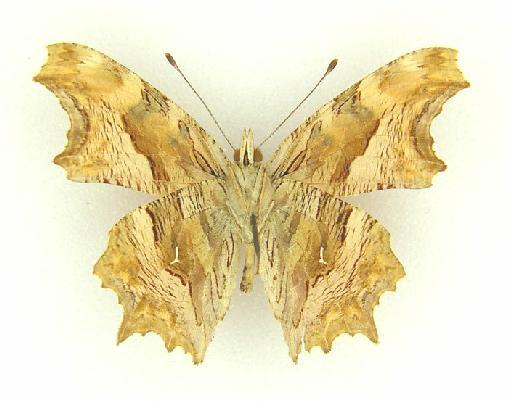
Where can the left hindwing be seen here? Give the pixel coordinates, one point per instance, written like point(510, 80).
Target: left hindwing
point(173, 263)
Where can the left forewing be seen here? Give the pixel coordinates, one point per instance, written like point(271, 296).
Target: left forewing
point(324, 274)
point(123, 131)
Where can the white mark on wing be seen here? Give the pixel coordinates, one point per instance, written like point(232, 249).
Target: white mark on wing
point(176, 260)
point(322, 261)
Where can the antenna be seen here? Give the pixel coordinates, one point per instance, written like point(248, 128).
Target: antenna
point(330, 67)
point(172, 62)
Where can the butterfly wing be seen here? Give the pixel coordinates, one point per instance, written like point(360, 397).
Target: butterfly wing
point(325, 272)
point(324, 262)
point(172, 264)
point(376, 134)
point(123, 131)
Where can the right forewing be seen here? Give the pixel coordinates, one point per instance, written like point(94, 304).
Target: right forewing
point(376, 134)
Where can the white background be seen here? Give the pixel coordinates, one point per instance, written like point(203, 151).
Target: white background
point(444, 333)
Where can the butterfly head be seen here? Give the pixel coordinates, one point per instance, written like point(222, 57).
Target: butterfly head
point(247, 155)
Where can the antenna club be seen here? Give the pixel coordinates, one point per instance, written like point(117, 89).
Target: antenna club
point(171, 60)
point(331, 66)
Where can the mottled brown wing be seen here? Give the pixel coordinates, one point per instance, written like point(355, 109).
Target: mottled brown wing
point(172, 264)
point(325, 272)
point(376, 134)
point(123, 131)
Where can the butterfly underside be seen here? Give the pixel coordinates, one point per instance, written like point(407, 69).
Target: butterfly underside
point(324, 262)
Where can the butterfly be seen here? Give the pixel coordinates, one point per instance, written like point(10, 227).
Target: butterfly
point(324, 263)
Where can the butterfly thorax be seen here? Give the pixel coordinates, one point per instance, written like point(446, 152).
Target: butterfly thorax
point(249, 189)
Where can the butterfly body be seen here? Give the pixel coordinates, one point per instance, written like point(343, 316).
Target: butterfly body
point(324, 263)
point(249, 203)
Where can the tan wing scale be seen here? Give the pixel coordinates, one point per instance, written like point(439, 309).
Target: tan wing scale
point(173, 264)
point(325, 272)
point(123, 131)
point(376, 134)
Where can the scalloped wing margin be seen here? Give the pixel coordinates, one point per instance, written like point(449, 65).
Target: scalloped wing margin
point(172, 264)
point(325, 275)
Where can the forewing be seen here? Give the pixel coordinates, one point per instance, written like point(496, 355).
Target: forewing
point(376, 134)
point(172, 264)
point(325, 272)
point(123, 131)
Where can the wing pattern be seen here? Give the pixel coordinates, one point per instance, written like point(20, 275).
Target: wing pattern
point(123, 131)
point(325, 274)
point(376, 134)
point(172, 264)
point(324, 262)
